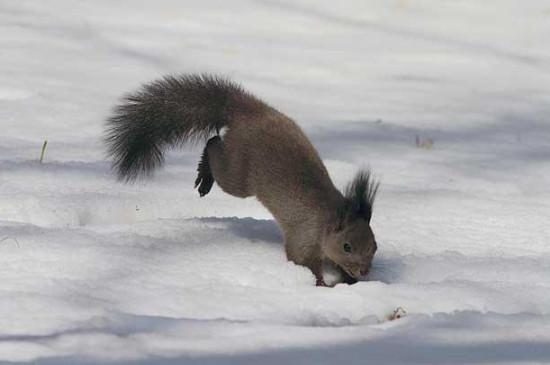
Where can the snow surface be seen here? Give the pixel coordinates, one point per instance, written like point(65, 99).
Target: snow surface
point(92, 270)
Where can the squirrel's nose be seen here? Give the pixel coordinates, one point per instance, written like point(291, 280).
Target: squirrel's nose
point(364, 272)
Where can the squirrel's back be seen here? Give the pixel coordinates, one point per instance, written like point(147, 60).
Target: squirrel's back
point(278, 164)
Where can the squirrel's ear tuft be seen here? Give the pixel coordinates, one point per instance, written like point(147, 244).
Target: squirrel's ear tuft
point(360, 194)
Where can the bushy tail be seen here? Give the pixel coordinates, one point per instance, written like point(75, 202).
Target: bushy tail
point(168, 113)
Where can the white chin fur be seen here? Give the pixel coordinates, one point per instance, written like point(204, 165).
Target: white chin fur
point(331, 274)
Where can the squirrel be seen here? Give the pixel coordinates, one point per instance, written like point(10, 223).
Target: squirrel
point(251, 150)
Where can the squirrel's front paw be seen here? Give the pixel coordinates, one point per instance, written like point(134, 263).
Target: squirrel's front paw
point(320, 282)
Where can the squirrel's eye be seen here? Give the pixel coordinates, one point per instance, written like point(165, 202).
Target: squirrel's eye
point(347, 247)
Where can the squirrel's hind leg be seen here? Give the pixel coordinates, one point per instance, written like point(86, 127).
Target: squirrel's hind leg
point(227, 169)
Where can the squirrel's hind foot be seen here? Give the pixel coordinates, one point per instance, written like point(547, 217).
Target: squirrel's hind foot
point(204, 183)
point(204, 180)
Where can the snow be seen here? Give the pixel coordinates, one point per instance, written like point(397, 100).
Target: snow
point(95, 271)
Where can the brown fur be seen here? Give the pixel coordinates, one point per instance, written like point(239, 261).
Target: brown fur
point(261, 153)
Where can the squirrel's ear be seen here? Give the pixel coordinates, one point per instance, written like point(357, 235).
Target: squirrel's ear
point(361, 193)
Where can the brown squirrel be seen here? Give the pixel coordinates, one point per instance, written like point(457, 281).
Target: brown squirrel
point(252, 150)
